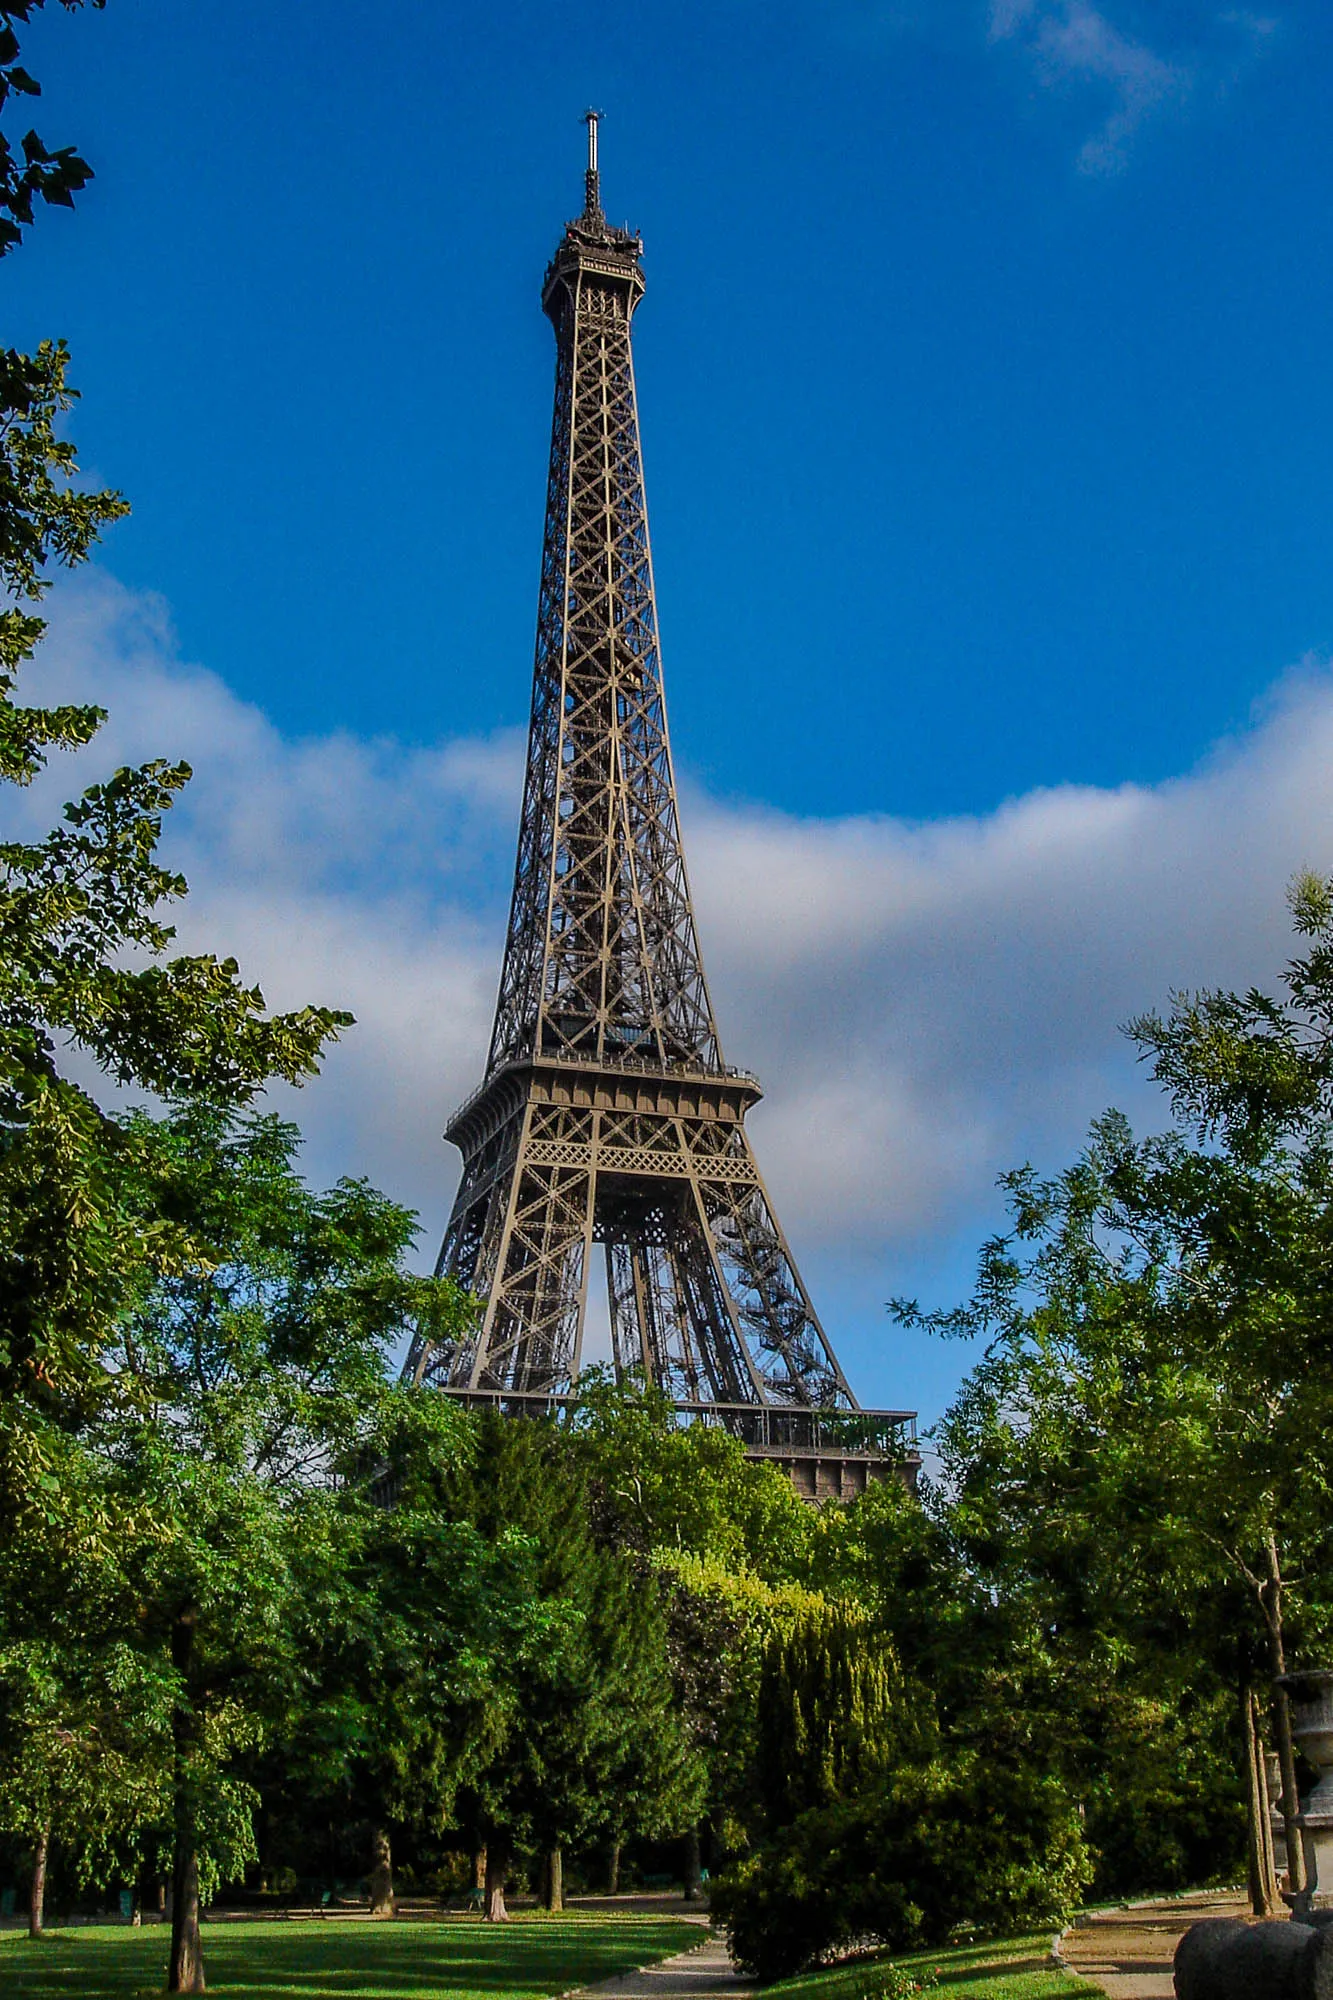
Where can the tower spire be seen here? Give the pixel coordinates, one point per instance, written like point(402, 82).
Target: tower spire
point(592, 180)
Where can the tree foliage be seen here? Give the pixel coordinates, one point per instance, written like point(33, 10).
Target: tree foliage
point(87, 967)
point(963, 1845)
point(594, 1736)
point(1141, 1456)
point(35, 172)
point(834, 1714)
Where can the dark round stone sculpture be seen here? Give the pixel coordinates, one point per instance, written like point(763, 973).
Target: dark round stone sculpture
point(1225, 1959)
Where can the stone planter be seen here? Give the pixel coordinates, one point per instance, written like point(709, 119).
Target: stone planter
point(1311, 1698)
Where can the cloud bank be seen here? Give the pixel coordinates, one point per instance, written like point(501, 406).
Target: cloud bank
point(933, 1003)
point(927, 1004)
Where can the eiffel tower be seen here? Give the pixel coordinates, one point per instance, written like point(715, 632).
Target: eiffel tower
point(607, 1114)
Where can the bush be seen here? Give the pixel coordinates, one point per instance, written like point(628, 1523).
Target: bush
point(975, 1847)
point(897, 1983)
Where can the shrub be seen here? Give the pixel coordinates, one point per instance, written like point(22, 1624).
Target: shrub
point(973, 1846)
point(896, 1982)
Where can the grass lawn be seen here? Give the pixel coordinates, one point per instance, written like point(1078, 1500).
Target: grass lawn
point(1016, 1970)
point(525, 1959)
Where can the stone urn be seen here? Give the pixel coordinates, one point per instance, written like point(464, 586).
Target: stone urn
point(1310, 1696)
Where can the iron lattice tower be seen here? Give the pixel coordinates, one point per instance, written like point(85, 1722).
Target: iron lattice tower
point(607, 1113)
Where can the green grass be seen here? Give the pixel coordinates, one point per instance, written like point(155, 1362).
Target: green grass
point(525, 1959)
point(977, 1971)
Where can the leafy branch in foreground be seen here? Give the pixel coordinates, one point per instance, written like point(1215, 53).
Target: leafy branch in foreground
point(35, 171)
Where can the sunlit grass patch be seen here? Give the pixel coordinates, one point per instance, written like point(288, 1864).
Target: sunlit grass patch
point(1016, 1969)
point(341, 1959)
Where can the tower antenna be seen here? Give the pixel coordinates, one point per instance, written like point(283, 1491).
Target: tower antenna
point(592, 199)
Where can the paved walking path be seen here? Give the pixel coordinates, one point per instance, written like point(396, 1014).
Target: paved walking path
point(1124, 1953)
point(644, 1903)
point(691, 1975)
point(1127, 1952)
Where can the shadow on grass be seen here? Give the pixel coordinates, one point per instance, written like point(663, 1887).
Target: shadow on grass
point(344, 1960)
point(1006, 1970)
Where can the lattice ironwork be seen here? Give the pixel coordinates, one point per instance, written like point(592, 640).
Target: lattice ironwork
point(607, 1115)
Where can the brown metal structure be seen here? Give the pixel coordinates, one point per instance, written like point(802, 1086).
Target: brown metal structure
point(607, 1114)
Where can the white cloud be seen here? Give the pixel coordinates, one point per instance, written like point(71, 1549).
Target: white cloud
point(931, 1003)
point(1073, 41)
point(353, 873)
point(1086, 53)
point(927, 1004)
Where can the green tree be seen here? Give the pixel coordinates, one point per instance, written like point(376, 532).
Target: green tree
point(688, 1488)
point(859, 1793)
point(722, 1623)
point(86, 963)
point(593, 1727)
point(1100, 1643)
point(1154, 1408)
point(418, 1640)
point(85, 959)
point(728, 1536)
point(83, 1735)
point(891, 1552)
point(834, 1713)
point(209, 1513)
point(259, 1394)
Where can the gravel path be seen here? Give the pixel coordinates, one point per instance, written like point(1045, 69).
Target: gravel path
point(691, 1975)
point(1127, 1952)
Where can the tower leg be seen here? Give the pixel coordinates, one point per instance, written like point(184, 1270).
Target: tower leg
point(645, 1301)
point(746, 1385)
point(624, 1289)
point(532, 1329)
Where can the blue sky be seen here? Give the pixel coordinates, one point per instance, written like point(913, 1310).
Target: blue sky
point(987, 415)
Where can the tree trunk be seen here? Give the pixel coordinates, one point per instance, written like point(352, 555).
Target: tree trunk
point(1271, 1597)
point(1254, 1843)
point(554, 1884)
point(186, 1971)
point(693, 1866)
point(1265, 1805)
point(479, 1869)
point(381, 1875)
point(1258, 1848)
point(495, 1911)
point(37, 1898)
